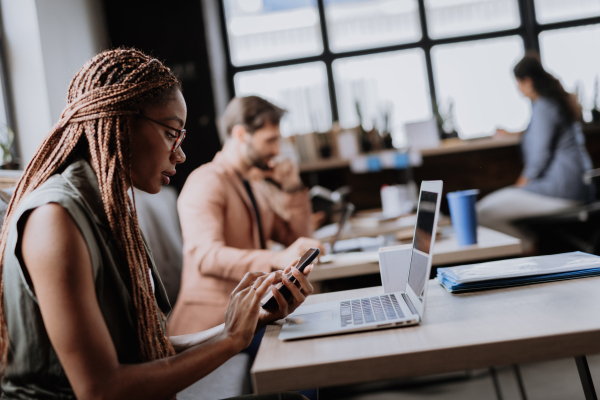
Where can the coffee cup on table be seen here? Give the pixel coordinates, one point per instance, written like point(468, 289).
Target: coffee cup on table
point(464, 216)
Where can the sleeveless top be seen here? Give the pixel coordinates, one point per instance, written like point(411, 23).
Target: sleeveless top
point(33, 369)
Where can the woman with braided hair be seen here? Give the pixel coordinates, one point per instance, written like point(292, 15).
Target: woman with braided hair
point(83, 308)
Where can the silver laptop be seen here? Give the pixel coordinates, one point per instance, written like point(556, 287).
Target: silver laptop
point(388, 310)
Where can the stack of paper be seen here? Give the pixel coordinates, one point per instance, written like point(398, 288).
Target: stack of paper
point(518, 271)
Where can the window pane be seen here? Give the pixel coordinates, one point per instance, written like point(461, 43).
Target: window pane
point(395, 82)
point(272, 30)
point(361, 24)
point(568, 55)
point(300, 89)
point(447, 18)
point(477, 78)
point(548, 11)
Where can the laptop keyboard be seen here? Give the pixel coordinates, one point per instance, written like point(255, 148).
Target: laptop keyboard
point(370, 309)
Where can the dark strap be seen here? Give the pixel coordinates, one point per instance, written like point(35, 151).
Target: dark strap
point(253, 200)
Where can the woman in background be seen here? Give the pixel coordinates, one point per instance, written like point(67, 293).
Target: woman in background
point(554, 156)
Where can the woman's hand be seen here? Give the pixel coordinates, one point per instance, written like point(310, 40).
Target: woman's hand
point(299, 291)
point(522, 181)
point(501, 133)
point(244, 308)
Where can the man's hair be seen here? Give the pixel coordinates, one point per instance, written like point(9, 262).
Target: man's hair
point(252, 112)
point(101, 98)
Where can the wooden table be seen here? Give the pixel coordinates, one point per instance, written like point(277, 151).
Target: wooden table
point(459, 332)
point(491, 244)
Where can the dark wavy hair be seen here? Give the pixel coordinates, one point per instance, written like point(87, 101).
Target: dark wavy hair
point(548, 86)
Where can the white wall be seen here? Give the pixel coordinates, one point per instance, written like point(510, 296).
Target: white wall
point(26, 74)
point(71, 32)
point(47, 42)
point(217, 61)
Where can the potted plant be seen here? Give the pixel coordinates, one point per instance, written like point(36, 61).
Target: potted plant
point(365, 143)
point(7, 138)
point(595, 109)
point(445, 121)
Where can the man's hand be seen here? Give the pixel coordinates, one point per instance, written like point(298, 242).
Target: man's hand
point(297, 249)
point(286, 174)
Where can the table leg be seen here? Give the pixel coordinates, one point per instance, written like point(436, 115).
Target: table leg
point(520, 381)
point(586, 378)
point(496, 383)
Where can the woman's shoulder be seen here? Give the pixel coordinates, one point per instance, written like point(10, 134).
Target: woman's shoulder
point(75, 189)
point(545, 102)
point(546, 105)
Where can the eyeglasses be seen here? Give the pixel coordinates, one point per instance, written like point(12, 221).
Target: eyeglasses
point(180, 133)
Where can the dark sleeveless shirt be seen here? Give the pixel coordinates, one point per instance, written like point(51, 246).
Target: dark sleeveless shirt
point(33, 370)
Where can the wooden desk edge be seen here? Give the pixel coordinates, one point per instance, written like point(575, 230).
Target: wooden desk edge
point(422, 363)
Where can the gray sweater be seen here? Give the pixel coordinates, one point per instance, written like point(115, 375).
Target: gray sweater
point(554, 154)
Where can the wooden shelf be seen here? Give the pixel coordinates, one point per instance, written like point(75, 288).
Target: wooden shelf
point(448, 146)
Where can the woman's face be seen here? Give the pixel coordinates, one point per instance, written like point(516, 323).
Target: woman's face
point(152, 161)
point(526, 87)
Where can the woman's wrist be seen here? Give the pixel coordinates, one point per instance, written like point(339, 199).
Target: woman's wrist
point(232, 344)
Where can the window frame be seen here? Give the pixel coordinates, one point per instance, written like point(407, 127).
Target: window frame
point(528, 30)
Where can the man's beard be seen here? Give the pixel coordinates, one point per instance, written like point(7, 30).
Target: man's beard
point(257, 160)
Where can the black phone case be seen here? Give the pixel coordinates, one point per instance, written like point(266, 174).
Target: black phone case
point(271, 304)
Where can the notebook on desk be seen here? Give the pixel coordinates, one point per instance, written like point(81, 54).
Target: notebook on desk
point(390, 310)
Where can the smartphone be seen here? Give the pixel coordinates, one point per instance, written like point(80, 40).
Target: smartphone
point(269, 302)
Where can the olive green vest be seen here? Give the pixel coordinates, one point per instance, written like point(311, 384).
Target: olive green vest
point(33, 369)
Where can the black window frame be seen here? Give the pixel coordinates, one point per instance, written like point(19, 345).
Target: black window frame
point(528, 30)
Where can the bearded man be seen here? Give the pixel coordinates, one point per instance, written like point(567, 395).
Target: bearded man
point(229, 217)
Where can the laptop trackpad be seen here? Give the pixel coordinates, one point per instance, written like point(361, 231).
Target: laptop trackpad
point(310, 317)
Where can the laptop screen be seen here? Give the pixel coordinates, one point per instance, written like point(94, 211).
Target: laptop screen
point(417, 275)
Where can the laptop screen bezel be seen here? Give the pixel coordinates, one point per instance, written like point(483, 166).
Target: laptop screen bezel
point(433, 187)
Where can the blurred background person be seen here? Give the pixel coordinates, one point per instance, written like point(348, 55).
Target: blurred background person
point(229, 213)
point(554, 156)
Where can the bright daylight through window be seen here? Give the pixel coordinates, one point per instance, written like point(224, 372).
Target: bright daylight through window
point(476, 78)
point(300, 88)
point(387, 58)
point(568, 54)
point(390, 84)
point(355, 25)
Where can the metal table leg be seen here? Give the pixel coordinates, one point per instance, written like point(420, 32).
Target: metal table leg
point(586, 378)
point(520, 381)
point(496, 383)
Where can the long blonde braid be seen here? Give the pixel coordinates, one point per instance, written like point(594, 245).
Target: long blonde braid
point(101, 97)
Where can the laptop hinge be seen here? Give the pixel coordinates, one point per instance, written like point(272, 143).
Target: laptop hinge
point(409, 304)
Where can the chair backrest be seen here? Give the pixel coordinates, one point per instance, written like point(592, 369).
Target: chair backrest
point(159, 221)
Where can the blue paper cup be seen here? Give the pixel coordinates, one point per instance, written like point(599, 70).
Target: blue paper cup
point(464, 217)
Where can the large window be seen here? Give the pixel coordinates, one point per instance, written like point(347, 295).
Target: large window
point(393, 84)
point(475, 77)
point(301, 89)
point(463, 17)
point(362, 24)
point(573, 54)
point(399, 60)
point(271, 30)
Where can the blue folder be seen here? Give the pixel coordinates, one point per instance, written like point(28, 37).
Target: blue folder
point(519, 271)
